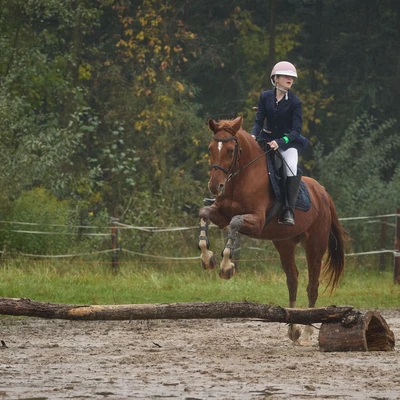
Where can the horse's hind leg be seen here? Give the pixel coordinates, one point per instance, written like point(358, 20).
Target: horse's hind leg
point(286, 250)
point(314, 268)
point(315, 248)
point(207, 256)
point(227, 267)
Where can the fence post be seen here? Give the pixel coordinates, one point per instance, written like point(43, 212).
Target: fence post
point(382, 259)
point(396, 276)
point(114, 245)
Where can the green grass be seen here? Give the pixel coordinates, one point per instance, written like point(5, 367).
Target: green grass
point(94, 283)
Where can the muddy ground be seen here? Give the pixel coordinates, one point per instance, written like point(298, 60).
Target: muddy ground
point(185, 359)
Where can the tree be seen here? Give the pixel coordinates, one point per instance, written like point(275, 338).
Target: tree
point(362, 173)
point(41, 87)
point(105, 101)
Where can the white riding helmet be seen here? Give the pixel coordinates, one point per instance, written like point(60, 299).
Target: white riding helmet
point(283, 68)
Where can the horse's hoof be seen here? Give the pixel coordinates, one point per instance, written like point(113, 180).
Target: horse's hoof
point(305, 339)
point(305, 343)
point(211, 263)
point(227, 273)
point(294, 333)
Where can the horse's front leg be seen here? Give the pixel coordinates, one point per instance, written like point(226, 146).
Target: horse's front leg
point(207, 214)
point(207, 256)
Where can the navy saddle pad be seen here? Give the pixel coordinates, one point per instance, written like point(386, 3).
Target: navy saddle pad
point(303, 201)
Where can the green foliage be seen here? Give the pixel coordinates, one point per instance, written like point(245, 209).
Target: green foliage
point(15, 123)
point(41, 47)
point(362, 167)
point(104, 103)
point(362, 175)
point(50, 221)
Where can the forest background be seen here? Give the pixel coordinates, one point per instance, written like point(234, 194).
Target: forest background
point(104, 104)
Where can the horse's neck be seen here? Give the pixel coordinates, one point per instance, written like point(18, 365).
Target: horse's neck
point(252, 158)
point(250, 150)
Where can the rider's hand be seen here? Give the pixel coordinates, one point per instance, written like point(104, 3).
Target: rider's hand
point(273, 145)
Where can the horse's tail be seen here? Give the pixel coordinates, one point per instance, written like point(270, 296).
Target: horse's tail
point(338, 238)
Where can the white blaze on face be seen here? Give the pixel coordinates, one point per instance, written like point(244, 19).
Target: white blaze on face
point(219, 146)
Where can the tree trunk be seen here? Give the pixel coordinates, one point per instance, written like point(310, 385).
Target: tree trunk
point(268, 313)
point(342, 329)
point(316, 57)
point(369, 332)
point(272, 34)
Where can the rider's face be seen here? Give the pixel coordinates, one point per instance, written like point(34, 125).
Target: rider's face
point(284, 81)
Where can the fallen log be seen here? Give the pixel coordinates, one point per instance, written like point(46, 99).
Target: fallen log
point(368, 332)
point(213, 310)
point(342, 328)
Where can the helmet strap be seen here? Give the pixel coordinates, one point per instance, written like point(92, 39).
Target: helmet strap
point(283, 90)
point(278, 88)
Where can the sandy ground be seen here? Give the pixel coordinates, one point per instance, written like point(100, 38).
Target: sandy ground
point(186, 359)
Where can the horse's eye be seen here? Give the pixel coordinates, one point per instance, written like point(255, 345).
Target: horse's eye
point(230, 152)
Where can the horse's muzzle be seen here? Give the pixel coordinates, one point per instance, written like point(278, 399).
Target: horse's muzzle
point(216, 188)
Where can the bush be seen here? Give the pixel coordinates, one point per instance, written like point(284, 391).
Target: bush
point(39, 224)
point(362, 174)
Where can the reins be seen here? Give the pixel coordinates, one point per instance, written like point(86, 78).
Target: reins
point(247, 165)
point(229, 173)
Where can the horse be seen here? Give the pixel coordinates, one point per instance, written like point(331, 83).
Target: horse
point(239, 181)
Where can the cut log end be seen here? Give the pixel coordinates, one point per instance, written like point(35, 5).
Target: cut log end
point(368, 332)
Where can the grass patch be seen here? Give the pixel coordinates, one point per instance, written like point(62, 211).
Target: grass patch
point(95, 283)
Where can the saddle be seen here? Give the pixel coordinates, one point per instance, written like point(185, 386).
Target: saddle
point(277, 178)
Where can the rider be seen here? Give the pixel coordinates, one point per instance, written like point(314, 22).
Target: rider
point(283, 112)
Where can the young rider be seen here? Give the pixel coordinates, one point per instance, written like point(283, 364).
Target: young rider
point(282, 111)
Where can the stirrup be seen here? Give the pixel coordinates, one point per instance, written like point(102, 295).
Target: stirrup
point(287, 218)
point(208, 202)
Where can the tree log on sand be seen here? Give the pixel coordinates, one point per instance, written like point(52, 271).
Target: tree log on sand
point(368, 332)
point(213, 310)
point(342, 329)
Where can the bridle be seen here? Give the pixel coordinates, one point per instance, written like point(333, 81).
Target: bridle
point(236, 157)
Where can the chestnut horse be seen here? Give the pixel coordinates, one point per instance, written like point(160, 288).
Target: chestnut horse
point(240, 181)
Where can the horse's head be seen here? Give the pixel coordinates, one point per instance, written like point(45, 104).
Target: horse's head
point(224, 152)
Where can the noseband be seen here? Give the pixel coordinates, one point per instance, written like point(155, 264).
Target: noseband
point(235, 156)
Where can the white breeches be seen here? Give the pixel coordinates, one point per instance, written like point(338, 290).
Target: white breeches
point(291, 157)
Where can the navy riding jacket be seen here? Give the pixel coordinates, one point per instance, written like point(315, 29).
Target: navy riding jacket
point(284, 118)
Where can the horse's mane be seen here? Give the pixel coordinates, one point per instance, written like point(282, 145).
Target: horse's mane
point(227, 124)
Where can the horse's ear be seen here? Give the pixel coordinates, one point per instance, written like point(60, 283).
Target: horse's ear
point(237, 124)
point(212, 125)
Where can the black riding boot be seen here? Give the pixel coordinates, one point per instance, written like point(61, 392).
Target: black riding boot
point(291, 191)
